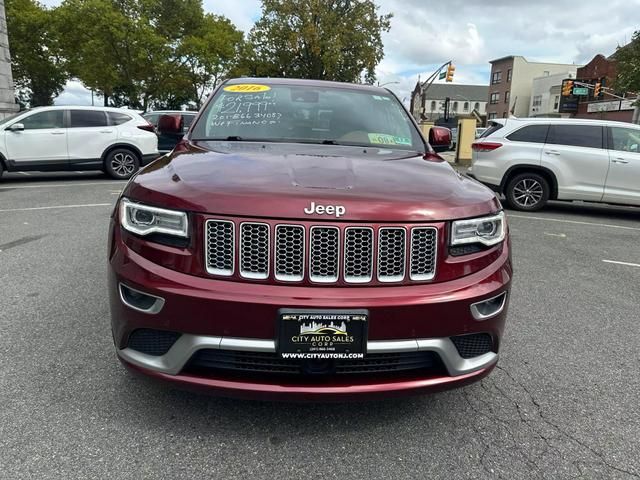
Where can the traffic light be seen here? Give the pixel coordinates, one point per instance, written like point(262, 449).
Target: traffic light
point(567, 88)
point(450, 71)
point(597, 90)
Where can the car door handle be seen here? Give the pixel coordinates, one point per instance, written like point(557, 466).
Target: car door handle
point(552, 152)
point(620, 160)
point(58, 132)
point(106, 131)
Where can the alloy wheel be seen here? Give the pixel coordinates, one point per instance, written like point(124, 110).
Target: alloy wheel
point(123, 164)
point(528, 192)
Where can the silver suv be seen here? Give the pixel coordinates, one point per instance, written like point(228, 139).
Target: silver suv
point(533, 160)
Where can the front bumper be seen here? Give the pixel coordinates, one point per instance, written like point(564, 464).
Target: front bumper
point(234, 316)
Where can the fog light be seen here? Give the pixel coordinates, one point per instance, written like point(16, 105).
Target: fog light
point(490, 307)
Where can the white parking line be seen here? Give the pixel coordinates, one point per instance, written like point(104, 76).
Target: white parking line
point(622, 263)
point(574, 222)
point(57, 206)
point(64, 185)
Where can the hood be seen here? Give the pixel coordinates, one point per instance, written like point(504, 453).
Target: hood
point(278, 180)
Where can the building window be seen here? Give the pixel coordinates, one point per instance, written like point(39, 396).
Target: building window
point(476, 107)
point(465, 108)
point(507, 96)
point(509, 75)
point(537, 101)
point(492, 115)
point(496, 78)
point(455, 107)
point(433, 106)
point(556, 103)
point(495, 98)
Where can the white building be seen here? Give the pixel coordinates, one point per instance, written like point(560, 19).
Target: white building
point(546, 92)
point(463, 99)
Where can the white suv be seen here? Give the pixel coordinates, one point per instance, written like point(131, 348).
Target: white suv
point(77, 138)
point(533, 160)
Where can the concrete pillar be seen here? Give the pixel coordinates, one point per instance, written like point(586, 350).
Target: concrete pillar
point(8, 103)
point(466, 136)
point(425, 127)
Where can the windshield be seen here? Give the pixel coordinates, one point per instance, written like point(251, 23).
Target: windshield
point(307, 114)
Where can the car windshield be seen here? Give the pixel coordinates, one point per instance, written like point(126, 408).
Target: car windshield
point(307, 114)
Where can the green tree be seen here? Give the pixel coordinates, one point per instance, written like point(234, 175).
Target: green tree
point(321, 39)
point(208, 54)
point(38, 69)
point(628, 58)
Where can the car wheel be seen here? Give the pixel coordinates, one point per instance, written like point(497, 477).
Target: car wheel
point(1, 169)
point(527, 192)
point(121, 163)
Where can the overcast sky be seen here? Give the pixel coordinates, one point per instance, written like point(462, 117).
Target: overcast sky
point(427, 33)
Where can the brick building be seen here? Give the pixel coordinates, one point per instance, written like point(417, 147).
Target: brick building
point(604, 70)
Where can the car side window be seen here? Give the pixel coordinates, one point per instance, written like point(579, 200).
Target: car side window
point(625, 139)
point(88, 118)
point(118, 118)
point(42, 120)
point(187, 121)
point(152, 119)
point(530, 133)
point(576, 135)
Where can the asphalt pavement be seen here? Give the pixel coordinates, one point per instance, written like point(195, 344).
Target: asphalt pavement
point(563, 402)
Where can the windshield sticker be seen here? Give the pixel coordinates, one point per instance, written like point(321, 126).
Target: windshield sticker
point(247, 88)
point(246, 109)
point(385, 139)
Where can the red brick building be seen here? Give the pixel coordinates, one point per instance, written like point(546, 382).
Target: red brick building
point(604, 70)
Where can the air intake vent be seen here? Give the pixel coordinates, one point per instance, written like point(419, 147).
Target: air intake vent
point(391, 254)
point(152, 342)
point(423, 253)
point(474, 345)
point(254, 250)
point(219, 247)
point(358, 255)
point(324, 255)
point(289, 253)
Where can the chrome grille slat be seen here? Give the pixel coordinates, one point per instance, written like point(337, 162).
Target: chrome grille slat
point(254, 250)
point(358, 254)
point(423, 253)
point(324, 254)
point(219, 247)
point(318, 252)
point(289, 253)
point(391, 254)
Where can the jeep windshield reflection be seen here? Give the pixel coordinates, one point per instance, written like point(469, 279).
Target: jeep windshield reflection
point(307, 114)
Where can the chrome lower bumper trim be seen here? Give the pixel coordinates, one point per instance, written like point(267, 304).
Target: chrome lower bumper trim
point(179, 354)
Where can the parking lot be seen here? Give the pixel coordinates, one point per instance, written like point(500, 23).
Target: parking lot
point(562, 403)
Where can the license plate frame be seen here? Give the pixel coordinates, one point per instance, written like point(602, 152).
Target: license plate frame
point(322, 331)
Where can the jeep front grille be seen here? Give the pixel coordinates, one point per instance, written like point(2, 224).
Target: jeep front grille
point(327, 254)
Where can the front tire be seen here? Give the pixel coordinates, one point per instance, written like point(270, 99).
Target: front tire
point(121, 163)
point(527, 192)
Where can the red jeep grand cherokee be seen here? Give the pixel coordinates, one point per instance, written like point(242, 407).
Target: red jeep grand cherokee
point(303, 241)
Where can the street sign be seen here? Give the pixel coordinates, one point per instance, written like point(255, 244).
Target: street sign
point(442, 75)
point(581, 91)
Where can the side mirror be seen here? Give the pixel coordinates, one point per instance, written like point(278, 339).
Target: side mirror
point(440, 138)
point(170, 124)
point(16, 127)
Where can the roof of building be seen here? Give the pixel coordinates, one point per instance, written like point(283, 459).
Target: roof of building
point(528, 61)
point(440, 91)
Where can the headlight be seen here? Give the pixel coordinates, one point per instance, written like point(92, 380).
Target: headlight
point(485, 230)
point(144, 220)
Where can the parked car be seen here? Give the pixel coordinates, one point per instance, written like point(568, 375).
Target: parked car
point(168, 141)
point(309, 244)
point(534, 160)
point(77, 138)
